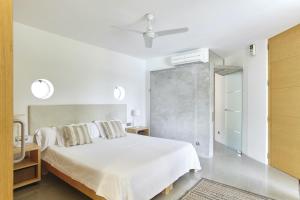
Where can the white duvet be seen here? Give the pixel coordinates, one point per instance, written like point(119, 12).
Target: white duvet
point(129, 168)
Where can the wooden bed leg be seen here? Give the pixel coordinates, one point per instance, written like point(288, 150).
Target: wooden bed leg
point(44, 170)
point(168, 189)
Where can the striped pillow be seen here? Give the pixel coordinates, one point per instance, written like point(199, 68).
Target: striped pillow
point(113, 129)
point(118, 128)
point(100, 129)
point(76, 135)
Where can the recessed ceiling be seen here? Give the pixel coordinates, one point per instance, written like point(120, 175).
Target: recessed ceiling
point(217, 24)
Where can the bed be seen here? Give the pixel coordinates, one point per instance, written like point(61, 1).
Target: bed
point(134, 167)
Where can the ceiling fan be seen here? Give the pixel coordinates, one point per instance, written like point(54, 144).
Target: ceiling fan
point(149, 34)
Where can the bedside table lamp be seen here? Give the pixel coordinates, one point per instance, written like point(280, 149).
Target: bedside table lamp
point(135, 114)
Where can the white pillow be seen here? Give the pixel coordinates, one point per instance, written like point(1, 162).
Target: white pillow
point(59, 136)
point(124, 126)
point(46, 136)
point(93, 130)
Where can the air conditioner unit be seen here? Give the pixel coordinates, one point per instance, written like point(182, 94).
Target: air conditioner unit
point(198, 55)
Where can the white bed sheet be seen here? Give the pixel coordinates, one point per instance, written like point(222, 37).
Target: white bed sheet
point(129, 168)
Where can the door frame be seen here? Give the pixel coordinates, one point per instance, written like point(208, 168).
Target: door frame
point(6, 99)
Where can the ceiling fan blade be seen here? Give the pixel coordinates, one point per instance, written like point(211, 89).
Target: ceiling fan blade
point(127, 29)
point(148, 41)
point(171, 31)
point(135, 22)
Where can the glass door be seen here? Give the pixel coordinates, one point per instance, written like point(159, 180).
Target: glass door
point(233, 110)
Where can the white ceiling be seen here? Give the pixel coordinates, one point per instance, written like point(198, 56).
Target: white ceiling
point(222, 25)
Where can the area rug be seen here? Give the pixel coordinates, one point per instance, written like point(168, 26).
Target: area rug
point(211, 190)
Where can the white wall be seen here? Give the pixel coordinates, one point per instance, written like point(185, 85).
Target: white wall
point(80, 73)
point(219, 109)
point(255, 142)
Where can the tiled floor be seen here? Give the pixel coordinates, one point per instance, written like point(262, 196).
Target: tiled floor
point(225, 167)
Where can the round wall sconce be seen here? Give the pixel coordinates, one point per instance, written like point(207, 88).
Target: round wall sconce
point(119, 93)
point(42, 89)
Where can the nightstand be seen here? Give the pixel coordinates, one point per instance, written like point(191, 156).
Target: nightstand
point(138, 130)
point(28, 170)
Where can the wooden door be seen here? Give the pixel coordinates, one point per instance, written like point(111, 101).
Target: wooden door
point(284, 101)
point(6, 101)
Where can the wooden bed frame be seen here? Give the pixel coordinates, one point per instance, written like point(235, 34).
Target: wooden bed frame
point(79, 186)
point(72, 114)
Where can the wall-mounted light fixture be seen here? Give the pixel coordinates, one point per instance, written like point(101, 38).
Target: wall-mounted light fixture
point(119, 93)
point(42, 89)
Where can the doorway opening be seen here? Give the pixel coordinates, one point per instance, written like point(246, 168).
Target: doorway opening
point(229, 107)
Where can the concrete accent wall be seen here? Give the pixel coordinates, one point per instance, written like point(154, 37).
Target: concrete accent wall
point(181, 104)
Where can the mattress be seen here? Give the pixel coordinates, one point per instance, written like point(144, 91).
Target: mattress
point(134, 167)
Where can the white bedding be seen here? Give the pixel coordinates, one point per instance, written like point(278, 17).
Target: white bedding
point(129, 168)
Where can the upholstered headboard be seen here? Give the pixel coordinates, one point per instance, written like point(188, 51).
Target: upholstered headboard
point(56, 115)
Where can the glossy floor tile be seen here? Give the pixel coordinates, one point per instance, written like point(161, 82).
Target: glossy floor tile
point(225, 167)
